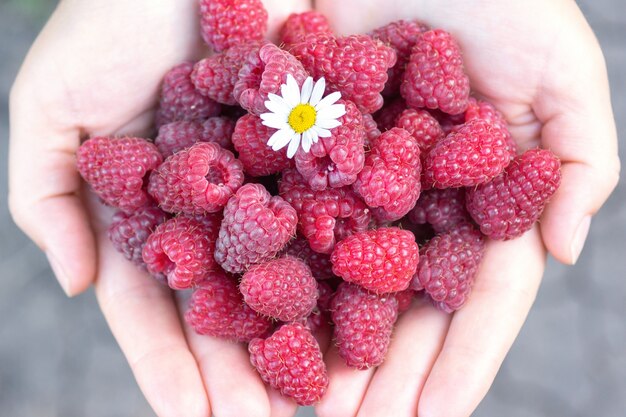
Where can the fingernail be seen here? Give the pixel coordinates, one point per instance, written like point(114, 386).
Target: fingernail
point(59, 272)
point(580, 236)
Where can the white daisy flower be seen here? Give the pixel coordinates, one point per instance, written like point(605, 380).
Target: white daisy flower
point(301, 116)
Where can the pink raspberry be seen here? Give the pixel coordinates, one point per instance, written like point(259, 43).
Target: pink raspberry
point(116, 169)
point(405, 299)
point(176, 136)
point(472, 154)
point(448, 122)
point(180, 100)
point(298, 25)
point(401, 35)
point(282, 289)
point(448, 265)
point(129, 232)
point(391, 176)
point(319, 318)
point(434, 77)
point(422, 126)
point(325, 217)
point(318, 262)
point(354, 65)
point(182, 249)
point(216, 75)
point(512, 202)
point(256, 227)
point(479, 109)
point(442, 209)
point(196, 180)
point(250, 139)
point(371, 130)
point(382, 260)
point(217, 309)
point(363, 324)
point(291, 361)
point(335, 161)
point(387, 116)
point(227, 23)
point(263, 73)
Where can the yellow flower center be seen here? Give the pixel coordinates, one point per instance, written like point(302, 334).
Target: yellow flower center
point(302, 117)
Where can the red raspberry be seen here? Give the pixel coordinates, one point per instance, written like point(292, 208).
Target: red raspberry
point(226, 23)
point(182, 249)
point(298, 25)
point(318, 262)
point(470, 155)
point(448, 122)
point(442, 209)
point(434, 77)
point(401, 36)
point(371, 130)
point(326, 295)
point(335, 161)
point(216, 76)
point(217, 309)
point(291, 361)
point(320, 316)
point(479, 109)
point(180, 100)
point(129, 232)
point(116, 169)
point(382, 260)
point(422, 126)
point(512, 202)
point(282, 289)
point(263, 73)
point(405, 299)
point(354, 65)
point(363, 324)
point(448, 265)
point(196, 180)
point(256, 227)
point(176, 136)
point(391, 176)
point(327, 216)
point(250, 139)
point(387, 116)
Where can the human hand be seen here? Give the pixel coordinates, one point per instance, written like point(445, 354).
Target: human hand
point(540, 64)
point(96, 69)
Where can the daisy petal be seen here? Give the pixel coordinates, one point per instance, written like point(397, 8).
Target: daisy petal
point(290, 91)
point(277, 106)
point(280, 138)
point(307, 88)
point(327, 123)
point(328, 100)
point(307, 140)
point(276, 121)
point(318, 91)
point(322, 133)
point(293, 145)
point(332, 112)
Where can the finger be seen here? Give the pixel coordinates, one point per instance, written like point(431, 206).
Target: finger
point(280, 406)
point(416, 343)
point(346, 388)
point(143, 318)
point(482, 332)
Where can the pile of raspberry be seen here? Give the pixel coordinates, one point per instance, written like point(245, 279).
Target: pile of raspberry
point(396, 204)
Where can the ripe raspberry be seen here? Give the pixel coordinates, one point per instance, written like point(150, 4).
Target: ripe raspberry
point(226, 23)
point(180, 100)
point(320, 316)
point(263, 73)
point(422, 126)
point(470, 155)
point(217, 309)
point(176, 136)
point(401, 36)
point(282, 289)
point(387, 116)
point(327, 216)
point(196, 180)
point(298, 25)
point(291, 361)
point(256, 227)
point(371, 130)
point(216, 75)
point(448, 122)
point(479, 109)
point(363, 324)
point(391, 176)
point(115, 168)
point(318, 262)
point(354, 65)
point(335, 161)
point(448, 265)
point(382, 260)
point(250, 139)
point(129, 232)
point(442, 209)
point(405, 299)
point(512, 202)
point(434, 77)
point(182, 249)
point(325, 296)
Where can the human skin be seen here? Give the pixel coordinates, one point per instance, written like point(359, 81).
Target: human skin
point(94, 70)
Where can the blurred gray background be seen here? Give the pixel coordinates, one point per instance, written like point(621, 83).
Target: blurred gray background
point(58, 358)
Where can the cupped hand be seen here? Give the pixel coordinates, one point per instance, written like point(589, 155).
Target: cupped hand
point(96, 69)
point(539, 63)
